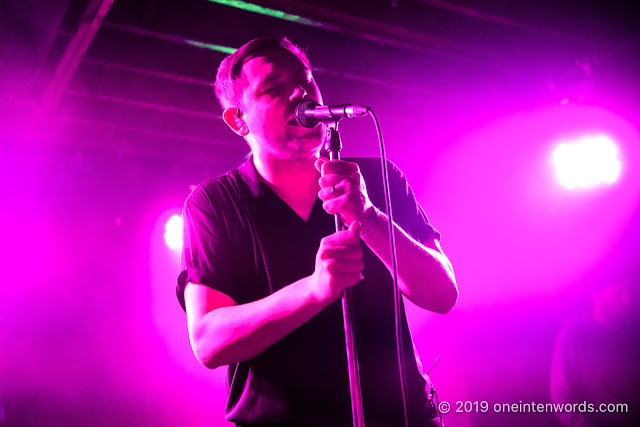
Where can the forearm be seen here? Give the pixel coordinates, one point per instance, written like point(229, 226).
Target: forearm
point(236, 333)
point(425, 275)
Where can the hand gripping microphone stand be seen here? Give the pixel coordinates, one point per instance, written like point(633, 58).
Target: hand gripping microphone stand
point(309, 114)
point(333, 146)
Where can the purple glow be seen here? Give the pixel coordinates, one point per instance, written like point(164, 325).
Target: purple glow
point(173, 232)
point(587, 162)
point(505, 211)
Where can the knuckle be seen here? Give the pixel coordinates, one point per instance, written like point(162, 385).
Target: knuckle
point(331, 208)
point(354, 278)
point(347, 236)
point(327, 243)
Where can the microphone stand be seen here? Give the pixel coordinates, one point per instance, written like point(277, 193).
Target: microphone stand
point(333, 147)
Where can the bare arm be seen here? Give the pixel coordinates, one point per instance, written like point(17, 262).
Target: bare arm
point(222, 332)
point(425, 275)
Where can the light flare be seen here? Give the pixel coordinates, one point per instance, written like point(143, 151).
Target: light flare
point(588, 162)
point(173, 233)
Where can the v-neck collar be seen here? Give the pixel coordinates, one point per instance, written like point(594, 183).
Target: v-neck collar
point(313, 214)
point(256, 188)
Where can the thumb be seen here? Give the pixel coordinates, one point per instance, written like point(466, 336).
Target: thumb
point(318, 164)
point(355, 227)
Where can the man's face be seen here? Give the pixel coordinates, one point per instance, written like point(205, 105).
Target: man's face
point(272, 87)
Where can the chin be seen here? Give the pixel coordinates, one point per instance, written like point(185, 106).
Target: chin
point(302, 150)
point(303, 153)
point(312, 137)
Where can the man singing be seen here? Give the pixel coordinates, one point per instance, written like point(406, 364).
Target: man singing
point(263, 267)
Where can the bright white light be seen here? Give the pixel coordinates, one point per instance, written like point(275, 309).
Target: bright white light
point(173, 232)
point(587, 162)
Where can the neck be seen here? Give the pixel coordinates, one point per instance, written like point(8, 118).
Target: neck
point(295, 177)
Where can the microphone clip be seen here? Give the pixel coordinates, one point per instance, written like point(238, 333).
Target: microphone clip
point(309, 113)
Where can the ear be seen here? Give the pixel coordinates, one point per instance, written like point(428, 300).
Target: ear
point(232, 116)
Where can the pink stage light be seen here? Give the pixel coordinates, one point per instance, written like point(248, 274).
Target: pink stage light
point(586, 163)
point(173, 232)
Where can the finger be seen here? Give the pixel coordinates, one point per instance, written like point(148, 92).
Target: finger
point(338, 166)
point(353, 178)
point(327, 180)
point(333, 206)
point(331, 192)
point(346, 266)
point(351, 279)
point(331, 179)
point(342, 252)
point(318, 164)
point(347, 279)
point(355, 228)
point(343, 238)
point(351, 236)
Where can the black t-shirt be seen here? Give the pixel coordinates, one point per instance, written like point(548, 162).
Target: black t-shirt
point(241, 239)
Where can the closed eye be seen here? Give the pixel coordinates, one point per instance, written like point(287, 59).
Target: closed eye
point(269, 90)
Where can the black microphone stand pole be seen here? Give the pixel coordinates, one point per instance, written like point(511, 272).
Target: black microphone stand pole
point(333, 146)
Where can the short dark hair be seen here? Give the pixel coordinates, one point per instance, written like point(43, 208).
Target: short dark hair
point(226, 86)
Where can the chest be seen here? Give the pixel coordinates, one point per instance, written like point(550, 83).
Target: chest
point(302, 203)
point(286, 239)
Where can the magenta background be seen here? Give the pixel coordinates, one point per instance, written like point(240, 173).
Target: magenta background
point(90, 330)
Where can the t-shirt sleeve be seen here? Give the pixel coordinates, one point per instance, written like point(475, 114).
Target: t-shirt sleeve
point(407, 212)
point(206, 252)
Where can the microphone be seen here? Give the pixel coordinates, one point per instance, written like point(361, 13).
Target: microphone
point(309, 113)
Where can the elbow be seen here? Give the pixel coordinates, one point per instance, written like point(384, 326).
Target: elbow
point(447, 298)
point(205, 355)
point(448, 301)
point(440, 299)
point(208, 360)
point(211, 364)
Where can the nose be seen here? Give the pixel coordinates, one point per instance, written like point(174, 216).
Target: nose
point(298, 93)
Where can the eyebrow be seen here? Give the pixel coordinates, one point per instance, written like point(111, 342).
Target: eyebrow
point(276, 77)
point(271, 78)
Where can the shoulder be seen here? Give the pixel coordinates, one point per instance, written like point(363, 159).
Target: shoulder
point(371, 163)
point(218, 200)
point(216, 192)
point(371, 169)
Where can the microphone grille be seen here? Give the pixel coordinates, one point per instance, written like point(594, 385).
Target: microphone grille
point(304, 120)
